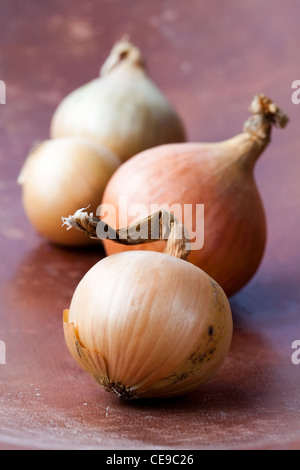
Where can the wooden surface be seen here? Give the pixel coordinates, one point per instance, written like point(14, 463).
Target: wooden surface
point(209, 58)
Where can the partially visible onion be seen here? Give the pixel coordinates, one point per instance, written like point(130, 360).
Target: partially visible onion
point(59, 176)
point(122, 109)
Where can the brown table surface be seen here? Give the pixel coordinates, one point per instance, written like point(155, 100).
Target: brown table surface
point(209, 58)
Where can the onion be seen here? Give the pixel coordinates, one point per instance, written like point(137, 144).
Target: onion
point(122, 109)
point(147, 324)
point(59, 176)
point(218, 175)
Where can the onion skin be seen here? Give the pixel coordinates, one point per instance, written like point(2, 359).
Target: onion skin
point(147, 324)
point(122, 109)
point(218, 175)
point(235, 231)
point(58, 177)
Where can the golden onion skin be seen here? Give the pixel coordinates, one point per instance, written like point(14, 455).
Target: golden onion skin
point(147, 324)
point(59, 176)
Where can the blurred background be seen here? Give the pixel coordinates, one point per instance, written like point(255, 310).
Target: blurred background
point(209, 58)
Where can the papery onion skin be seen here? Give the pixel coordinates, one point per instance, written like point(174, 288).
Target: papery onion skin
point(234, 217)
point(59, 176)
point(218, 175)
point(122, 109)
point(147, 324)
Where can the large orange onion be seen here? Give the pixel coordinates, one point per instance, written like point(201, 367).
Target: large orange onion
point(148, 324)
point(216, 175)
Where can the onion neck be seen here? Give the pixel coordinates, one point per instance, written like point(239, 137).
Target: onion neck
point(256, 135)
point(161, 225)
point(123, 53)
point(247, 148)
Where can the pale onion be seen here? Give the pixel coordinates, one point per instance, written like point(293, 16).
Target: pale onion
point(147, 324)
point(122, 109)
point(59, 176)
point(217, 175)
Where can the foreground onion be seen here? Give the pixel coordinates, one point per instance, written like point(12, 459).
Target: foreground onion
point(59, 176)
point(218, 175)
point(122, 109)
point(147, 324)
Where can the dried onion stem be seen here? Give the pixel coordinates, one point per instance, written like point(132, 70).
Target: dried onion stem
point(161, 225)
